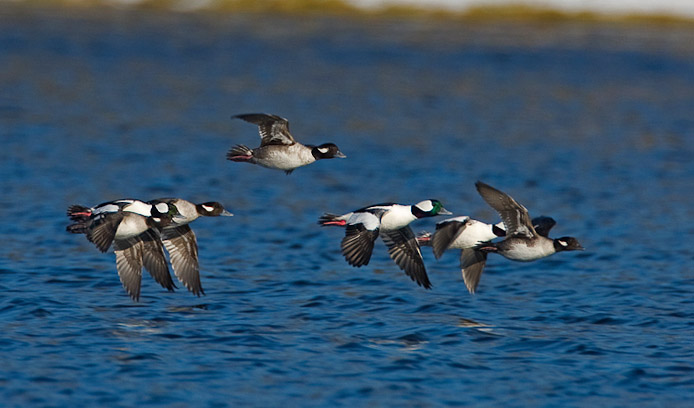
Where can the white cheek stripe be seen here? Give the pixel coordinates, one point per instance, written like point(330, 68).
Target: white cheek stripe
point(323, 150)
point(208, 208)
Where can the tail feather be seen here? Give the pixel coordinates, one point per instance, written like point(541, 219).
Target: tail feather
point(331, 219)
point(240, 153)
point(78, 212)
point(424, 238)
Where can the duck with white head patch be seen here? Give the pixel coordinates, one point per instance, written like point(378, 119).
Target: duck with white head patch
point(467, 234)
point(524, 241)
point(392, 222)
point(278, 149)
point(132, 227)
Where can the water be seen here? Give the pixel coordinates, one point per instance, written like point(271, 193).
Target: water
point(589, 124)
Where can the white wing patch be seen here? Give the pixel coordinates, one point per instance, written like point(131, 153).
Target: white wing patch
point(368, 220)
point(138, 207)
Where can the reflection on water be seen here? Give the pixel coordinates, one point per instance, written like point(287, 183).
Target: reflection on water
point(589, 124)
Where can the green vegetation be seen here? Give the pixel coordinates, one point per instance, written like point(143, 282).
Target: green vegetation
point(510, 12)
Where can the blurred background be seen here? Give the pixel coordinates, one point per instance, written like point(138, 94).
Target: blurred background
point(579, 110)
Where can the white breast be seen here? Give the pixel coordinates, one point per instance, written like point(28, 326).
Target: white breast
point(131, 226)
point(524, 253)
point(286, 158)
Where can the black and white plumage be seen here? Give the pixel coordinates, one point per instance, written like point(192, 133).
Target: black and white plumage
point(134, 236)
point(278, 149)
point(180, 241)
point(523, 242)
point(468, 234)
point(391, 221)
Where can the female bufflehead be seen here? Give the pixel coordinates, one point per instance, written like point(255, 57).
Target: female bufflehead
point(134, 236)
point(180, 242)
point(278, 149)
point(392, 220)
point(467, 234)
point(523, 242)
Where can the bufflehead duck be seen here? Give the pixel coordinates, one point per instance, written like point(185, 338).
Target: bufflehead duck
point(278, 149)
point(467, 234)
point(134, 236)
point(392, 220)
point(180, 242)
point(522, 242)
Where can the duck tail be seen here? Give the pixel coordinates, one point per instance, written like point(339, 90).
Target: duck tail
point(424, 238)
point(78, 212)
point(328, 219)
point(240, 153)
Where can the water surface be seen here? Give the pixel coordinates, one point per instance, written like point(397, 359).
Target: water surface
point(589, 124)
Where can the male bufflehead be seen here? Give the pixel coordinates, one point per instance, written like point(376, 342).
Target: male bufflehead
point(134, 236)
point(392, 220)
point(278, 149)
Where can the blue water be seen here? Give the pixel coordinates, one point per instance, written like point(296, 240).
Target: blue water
point(589, 124)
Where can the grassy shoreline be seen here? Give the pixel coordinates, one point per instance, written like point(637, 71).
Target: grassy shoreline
point(512, 12)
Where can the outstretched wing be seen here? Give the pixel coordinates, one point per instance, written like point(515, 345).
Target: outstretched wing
point(129, 265)
point(446, 233)
point(182, 247)
point(472, 264)
point(543, 224)
point(273, 129)
point(102, 230)
point(404, 250)
point(154, 260)
point(514, 215)
point(361, 232)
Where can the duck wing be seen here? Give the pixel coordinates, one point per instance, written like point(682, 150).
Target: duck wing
point(543, 224)
point(361, 232)
point(182, 247)
point(102, 230)
point(472, 264)
point(514, 215)
point(129, 264)
point(404, 250)
point(154, 260)
point(447, 232)
point(273, 129)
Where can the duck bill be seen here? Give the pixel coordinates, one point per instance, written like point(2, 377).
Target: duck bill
point(340, 155)
point(444, 211)
point(226, 213)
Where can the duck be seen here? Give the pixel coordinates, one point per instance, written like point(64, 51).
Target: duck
point(278, 149)
point(466, 234)
point(133, 235)
point(391, 221)
point(180, 241)
point(524, 240)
